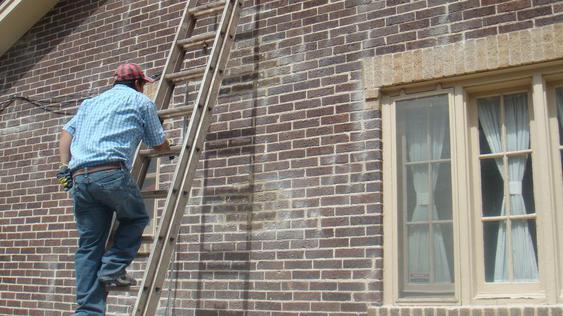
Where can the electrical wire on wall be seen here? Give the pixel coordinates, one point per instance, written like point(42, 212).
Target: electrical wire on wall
point(48, 105)
point(52, 106)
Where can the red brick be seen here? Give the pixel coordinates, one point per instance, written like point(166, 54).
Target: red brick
point(549, 20)
point(397, 19)
point(417, 5)
point(535, 12)
point(463, 5)
point(419, 24)
point(482, 32)
point(513, 5)
point(446, 19)
point(430, 12)
point(390, 49)
point(497, 19)
point(463, 26)
point(514, 26)
point(479, 12)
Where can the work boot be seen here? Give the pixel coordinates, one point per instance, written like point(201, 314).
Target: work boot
point(123, 280)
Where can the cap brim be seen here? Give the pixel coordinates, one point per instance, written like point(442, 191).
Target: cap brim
point(148, 79)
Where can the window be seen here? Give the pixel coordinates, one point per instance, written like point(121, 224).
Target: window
point(469, 192)
point(504, 199)
point(425, 228)
point(507, 204)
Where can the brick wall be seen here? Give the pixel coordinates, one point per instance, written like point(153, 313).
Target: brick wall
point(285, 217)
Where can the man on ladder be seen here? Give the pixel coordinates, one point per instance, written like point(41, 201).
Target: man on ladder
point(96, 151)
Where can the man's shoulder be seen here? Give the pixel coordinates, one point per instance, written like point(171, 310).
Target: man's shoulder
point(131, 94)
point(144, 97)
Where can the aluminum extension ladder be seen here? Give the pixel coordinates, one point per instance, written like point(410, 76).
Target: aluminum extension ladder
point(189, 151)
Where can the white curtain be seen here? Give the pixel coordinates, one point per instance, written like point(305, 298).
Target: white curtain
point(419, 241)
point(518, 138)
point(490, 121)
point(439, 127)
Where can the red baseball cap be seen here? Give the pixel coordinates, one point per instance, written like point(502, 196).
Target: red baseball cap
point(131, 72)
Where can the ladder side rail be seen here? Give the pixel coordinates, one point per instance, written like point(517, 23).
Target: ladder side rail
point(148, 280)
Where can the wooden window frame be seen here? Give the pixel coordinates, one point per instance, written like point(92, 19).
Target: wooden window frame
point(557, 182)
point(488, 290)
point(391, 222)
point(470, 288)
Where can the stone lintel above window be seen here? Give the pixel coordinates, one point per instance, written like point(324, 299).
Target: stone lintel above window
point(472, 56)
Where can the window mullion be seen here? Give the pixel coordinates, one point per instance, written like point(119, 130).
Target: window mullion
point(507, 201)
point(405, 230)
point(461, 184)
point(429, 198)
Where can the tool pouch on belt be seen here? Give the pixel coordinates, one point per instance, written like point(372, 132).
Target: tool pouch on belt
point(64, 177)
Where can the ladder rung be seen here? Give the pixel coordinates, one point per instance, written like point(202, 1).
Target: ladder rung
point(175, 112)
point(186, 75)
point(151, 153)
point(145, 249)
point(156, 194)
point(197, 40)
point(126, 289)
point(207, 9)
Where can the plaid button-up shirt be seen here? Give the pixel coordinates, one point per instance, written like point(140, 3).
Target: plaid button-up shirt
point(109, 127)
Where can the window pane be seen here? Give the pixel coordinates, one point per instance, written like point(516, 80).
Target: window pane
point(527, 185)
point(495, 251)
point(419, 247)
point(516, 122)
point(492, 186)
point(507, 190)
point(425, 203)
point(443, 250)
point(443, 200)
point(490, 109)
point(524, 255)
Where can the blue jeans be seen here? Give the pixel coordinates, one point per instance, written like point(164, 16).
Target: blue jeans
point(96, 197)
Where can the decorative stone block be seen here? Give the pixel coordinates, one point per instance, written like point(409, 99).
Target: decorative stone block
point(459, 58)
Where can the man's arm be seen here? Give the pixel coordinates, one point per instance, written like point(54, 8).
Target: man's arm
point(64, 176)
point(64, 147)
point(154, 135)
